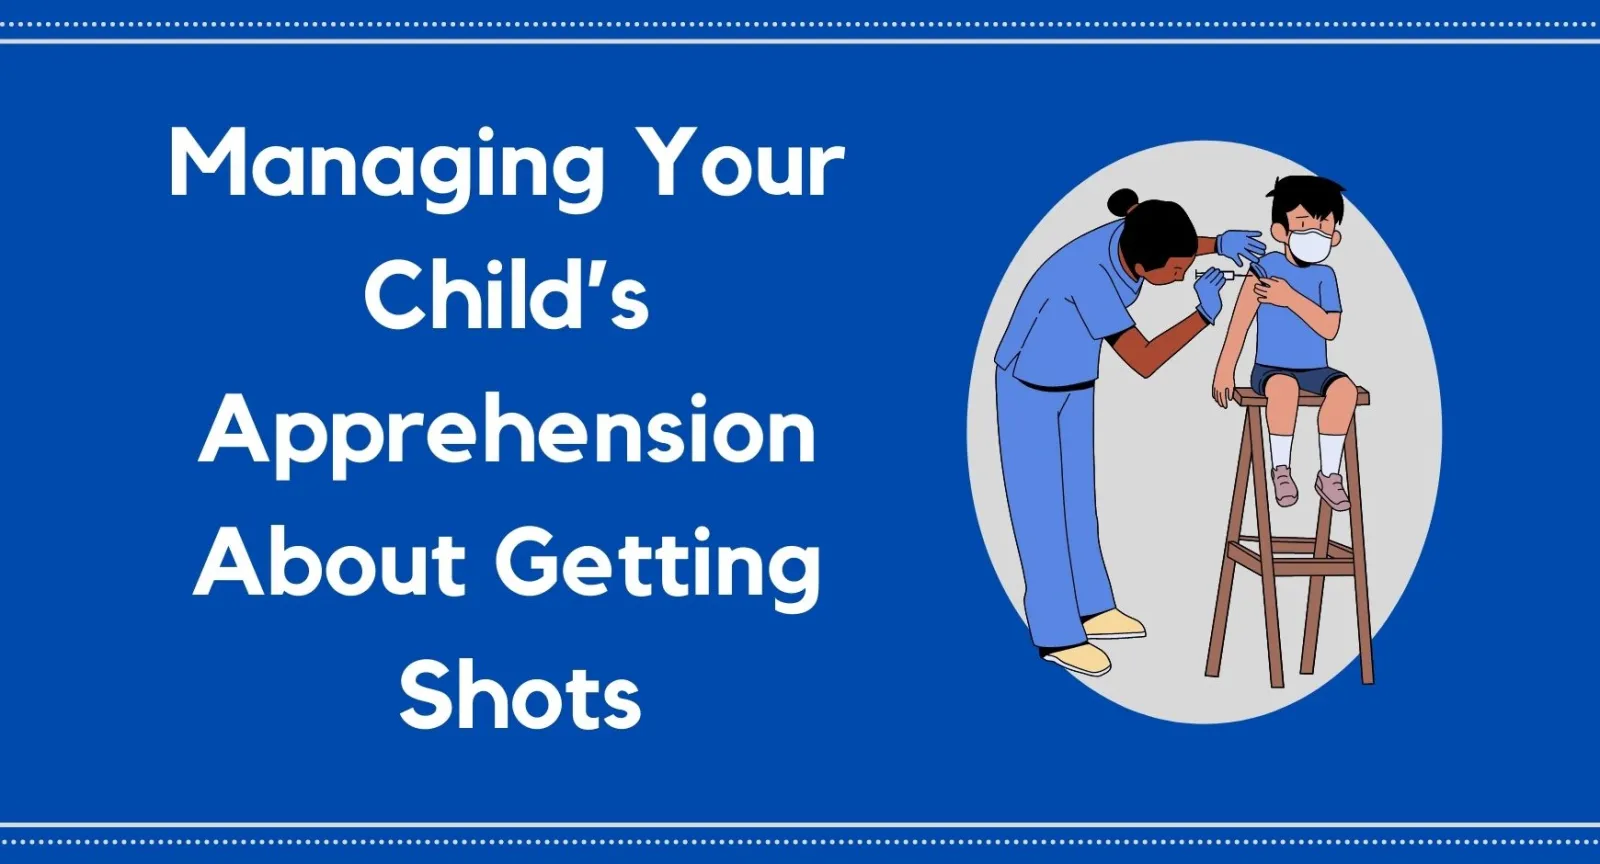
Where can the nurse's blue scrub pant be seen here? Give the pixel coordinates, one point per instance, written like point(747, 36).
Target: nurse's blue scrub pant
point(1047, 459)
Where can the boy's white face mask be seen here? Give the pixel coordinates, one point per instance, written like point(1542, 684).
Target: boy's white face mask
point(1310, 247)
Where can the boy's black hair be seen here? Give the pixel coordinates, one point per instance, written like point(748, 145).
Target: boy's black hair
point(1152, 231)
point(1319, 195)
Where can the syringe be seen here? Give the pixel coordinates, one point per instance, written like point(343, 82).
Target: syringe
point(1229, 275)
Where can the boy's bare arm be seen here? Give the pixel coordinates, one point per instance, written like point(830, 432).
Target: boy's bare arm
point(1276, 292)
point(1244, 313)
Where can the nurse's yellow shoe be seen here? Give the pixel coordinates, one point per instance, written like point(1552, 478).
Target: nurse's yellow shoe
point(1112, 624)
point(1083, 659)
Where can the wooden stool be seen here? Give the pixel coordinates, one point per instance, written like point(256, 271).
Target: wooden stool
point(1320, 556)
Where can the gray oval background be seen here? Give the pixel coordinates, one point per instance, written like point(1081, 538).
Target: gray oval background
point(1166, 453)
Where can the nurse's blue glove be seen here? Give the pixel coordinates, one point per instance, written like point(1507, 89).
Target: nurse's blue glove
point(1208, 288)
point(1241, 246)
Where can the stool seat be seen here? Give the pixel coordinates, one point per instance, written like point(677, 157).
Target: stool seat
point(1251, 399)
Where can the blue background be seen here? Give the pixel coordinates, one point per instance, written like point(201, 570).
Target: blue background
point(911, 691)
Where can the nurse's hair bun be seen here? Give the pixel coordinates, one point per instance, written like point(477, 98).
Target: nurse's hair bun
point(1122, 202)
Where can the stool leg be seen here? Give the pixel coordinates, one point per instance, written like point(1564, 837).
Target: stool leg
point(1358, 546)
point(1319, 549)
point(1269, 581)
point(1219, 617)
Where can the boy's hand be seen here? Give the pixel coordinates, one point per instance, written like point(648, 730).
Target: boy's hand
point(1222, 387)
point(1275, 291)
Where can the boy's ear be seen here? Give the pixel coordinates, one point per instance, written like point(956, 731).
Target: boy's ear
point(1337, 236)
point(1280, 233)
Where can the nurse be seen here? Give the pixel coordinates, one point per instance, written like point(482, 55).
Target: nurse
point(1045, 371)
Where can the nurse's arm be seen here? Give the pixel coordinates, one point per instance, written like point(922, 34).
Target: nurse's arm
point(1208, 246)
point(1145, 356)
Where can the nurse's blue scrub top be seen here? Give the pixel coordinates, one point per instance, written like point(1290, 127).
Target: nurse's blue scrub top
point(1077, 298)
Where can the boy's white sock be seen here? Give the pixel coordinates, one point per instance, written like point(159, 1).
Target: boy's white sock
point(1280, 449)
point(1332, 449)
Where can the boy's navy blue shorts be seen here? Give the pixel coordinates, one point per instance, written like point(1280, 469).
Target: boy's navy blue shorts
point(1314, 380)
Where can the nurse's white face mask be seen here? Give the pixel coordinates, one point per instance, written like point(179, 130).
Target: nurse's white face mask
point(1310, 247)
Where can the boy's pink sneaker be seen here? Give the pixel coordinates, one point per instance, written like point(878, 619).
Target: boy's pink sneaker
point(1283, 486)
point(1331, 488)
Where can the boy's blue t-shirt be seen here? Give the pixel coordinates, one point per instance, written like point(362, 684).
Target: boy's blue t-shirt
point(1282, 338)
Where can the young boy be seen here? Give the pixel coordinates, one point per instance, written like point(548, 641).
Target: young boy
point(1294, 299)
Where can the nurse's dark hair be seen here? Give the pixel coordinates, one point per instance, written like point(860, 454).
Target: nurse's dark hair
point(1152, 231)
point(1319, 195)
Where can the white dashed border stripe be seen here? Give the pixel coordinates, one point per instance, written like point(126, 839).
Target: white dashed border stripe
point(1563, 842)
point(748, 25)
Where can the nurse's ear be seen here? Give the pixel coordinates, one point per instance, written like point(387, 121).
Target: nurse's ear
point(1337, 236)
point(1280, 233)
